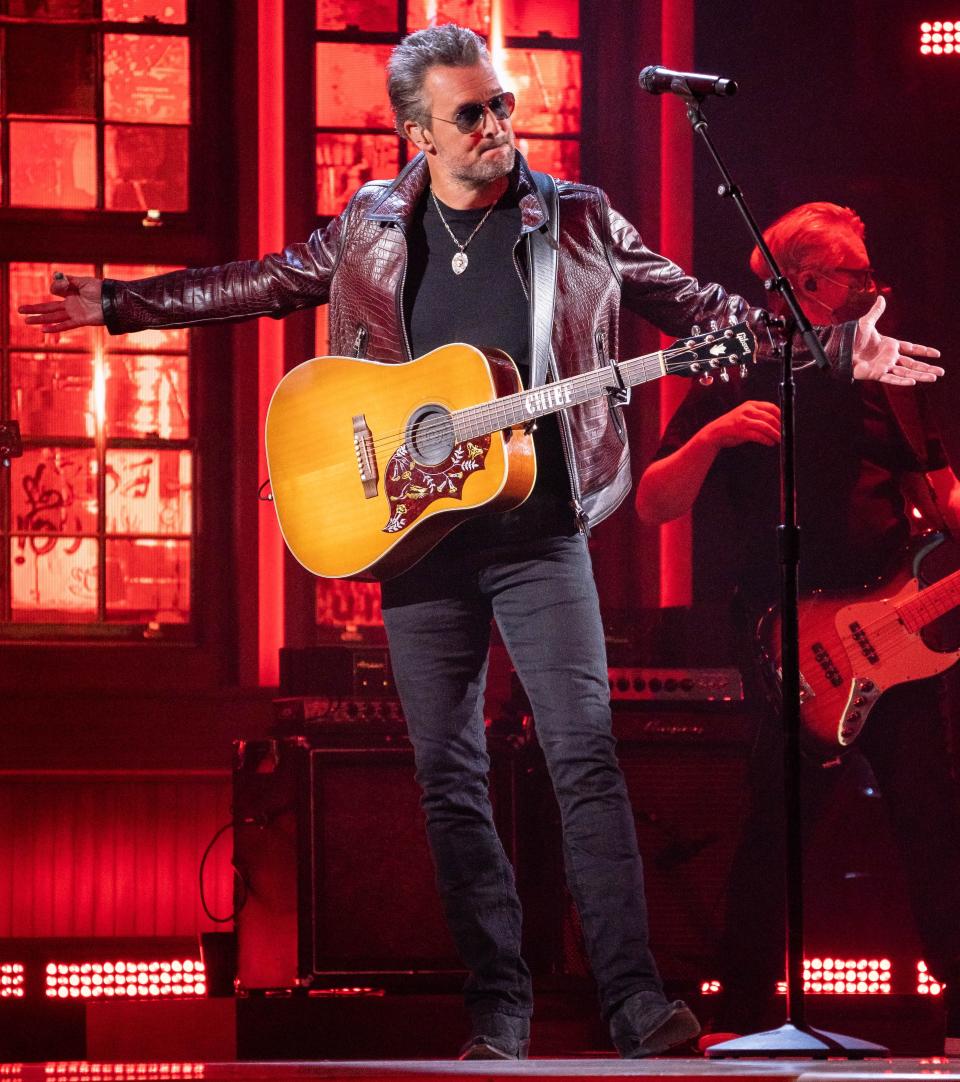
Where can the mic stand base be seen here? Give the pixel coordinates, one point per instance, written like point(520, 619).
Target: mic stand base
point(789, 1040)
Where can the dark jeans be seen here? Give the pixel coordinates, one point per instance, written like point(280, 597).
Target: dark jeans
point(543, 597)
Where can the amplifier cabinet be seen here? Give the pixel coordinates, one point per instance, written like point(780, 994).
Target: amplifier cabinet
point(334, 871)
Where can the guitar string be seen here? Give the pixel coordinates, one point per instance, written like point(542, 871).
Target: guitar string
point(885, 633)
point(502, 405)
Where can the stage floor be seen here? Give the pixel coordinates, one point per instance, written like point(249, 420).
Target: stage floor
point(674, 1069)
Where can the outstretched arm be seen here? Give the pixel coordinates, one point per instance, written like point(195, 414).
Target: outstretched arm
point(670, 485)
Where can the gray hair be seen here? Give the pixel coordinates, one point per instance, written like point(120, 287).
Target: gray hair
point(449, 46)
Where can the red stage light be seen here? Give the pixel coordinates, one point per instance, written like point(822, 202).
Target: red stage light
point(845, 976)
point(940, 38)
point(927, 984)
point(11, 980)
point(121, 1072)
point(710, 988)
point(138, 980)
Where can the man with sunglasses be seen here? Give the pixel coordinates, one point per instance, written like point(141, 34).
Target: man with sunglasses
point(467, 244)
point(865, 453)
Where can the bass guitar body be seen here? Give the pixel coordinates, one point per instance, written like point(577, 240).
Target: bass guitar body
point(854, 647)
point(367, 469)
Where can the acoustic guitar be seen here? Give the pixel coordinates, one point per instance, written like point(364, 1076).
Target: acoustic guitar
point(371, 464)
point(855, 646)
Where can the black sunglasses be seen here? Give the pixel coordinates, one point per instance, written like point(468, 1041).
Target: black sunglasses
point(470, 117)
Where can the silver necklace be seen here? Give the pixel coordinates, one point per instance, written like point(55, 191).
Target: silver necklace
point(460, 260)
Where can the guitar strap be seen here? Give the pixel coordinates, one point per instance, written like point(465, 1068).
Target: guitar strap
point(543, 250)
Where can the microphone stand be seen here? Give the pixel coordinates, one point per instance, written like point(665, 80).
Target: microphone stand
point(795, 1037)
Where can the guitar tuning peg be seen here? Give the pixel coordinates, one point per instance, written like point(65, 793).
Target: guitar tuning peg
point(706, 380)
point(744, 371)
point(695, 329)
point(725, 375)
point(714, 325)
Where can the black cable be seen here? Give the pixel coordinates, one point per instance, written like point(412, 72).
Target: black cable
point(243, 892)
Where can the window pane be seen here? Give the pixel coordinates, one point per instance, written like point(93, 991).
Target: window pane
point(359, 14)
point(548, 85)
point(472, 13)
point(528, 18)
point(344, 162)
point(134, 11)
point(53, 579)
point(147, 396)
point(53, 165)
point(52, 394)
point(54, 490)
point(52, 9)
point(148, 581)
point(149, 492)
point(561, 157)
point(29, 284)
point(146, 79)
point(156, 338)
point(51, 70)
point(341, 603)
point(146, 168)
point(351, 86)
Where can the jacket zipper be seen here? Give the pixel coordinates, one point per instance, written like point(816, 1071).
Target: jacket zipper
point(516, 267)
point(566, 441)
point(360, 340)
point(403, 280)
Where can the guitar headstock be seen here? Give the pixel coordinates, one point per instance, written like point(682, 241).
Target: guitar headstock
point(718, 351)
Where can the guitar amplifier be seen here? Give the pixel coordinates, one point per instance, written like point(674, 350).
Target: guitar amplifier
point(334, 875)
point(633, 683)
point(350, 671)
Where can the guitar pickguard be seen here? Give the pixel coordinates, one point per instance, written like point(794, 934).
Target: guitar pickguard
point(412, 487)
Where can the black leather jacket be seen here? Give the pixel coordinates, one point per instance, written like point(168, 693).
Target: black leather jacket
point(358, 262)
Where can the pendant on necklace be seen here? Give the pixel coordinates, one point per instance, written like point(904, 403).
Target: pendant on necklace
point(459, 262)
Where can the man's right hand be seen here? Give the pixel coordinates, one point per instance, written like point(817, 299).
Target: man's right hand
point(750, 422)
point(78, 305)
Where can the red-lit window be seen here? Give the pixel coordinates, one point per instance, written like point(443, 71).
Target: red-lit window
point(96, 105)
point(98, 525)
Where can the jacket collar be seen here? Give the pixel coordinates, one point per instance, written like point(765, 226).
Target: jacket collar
point(400, 199)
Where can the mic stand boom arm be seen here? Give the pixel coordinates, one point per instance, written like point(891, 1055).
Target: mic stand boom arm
point(795, 1037)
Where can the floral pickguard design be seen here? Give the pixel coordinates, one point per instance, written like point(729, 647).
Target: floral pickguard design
point(411, 487)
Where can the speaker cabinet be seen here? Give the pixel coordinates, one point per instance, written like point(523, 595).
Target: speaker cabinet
point(334, 873)
point(686, 774)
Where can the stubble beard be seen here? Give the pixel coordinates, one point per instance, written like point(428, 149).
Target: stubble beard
point(480, 174)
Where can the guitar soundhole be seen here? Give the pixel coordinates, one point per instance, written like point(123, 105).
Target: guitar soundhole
point(430, 435)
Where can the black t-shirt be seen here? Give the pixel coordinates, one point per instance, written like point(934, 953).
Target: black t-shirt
point(851, 453)
point(486, 305)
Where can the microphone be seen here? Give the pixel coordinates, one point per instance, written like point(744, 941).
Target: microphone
point(657, 80)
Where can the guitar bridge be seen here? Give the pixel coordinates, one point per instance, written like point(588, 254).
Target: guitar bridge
point(366, 455)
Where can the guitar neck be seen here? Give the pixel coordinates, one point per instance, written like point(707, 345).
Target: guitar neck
point(525, 406)
point(935, 600)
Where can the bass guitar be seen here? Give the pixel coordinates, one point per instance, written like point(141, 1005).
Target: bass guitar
point(371, 464)
point(854, 647)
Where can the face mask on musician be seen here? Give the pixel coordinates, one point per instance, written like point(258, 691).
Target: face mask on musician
point(846, 294)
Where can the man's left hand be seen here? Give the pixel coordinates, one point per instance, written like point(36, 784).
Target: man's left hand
point(879, 357)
